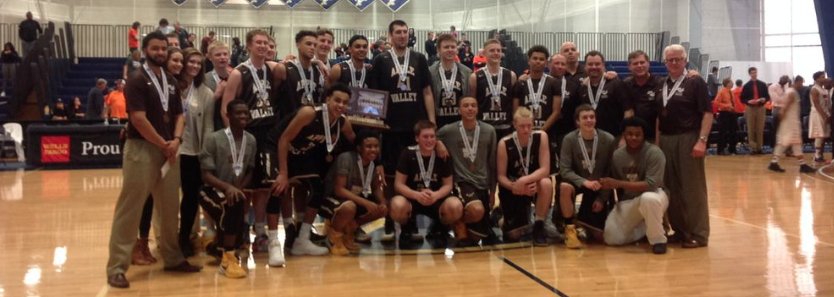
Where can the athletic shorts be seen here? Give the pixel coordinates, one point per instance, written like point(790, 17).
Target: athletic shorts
point(266, 159)
point(331, 204)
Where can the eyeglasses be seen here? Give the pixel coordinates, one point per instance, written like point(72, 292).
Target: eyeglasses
point(675, 60)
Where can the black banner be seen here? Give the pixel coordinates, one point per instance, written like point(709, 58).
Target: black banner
point(74, 146)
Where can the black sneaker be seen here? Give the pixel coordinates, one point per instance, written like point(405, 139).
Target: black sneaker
point(775, 167)
point(659, 248)
point(316, 238)
point(539, 236)
point(409, 240)
point(804, 168)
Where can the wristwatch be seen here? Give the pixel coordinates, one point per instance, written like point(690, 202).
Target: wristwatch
point(702, 139)
point(178, 138)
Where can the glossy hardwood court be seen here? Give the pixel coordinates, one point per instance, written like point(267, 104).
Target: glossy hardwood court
point(772, 235)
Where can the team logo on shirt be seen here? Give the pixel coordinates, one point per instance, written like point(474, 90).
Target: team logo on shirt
point(651, 94)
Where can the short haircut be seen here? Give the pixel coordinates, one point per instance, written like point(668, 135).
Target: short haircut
point(798, 78)
point(446, 37)
point(211, 33)
point(492, 41)
point(522, 112)
point(422, 125)
point(217, 44)
point(135, 25)
point(677, 48)
point(739, 82)
point(251, 35)
point(324, 31)
point(233, 103)
point(538, 49)
point(304, 33)
point(594, 53)
point(394, 23)
point(172, 35)
point(155, 35)
point(751, 69)
point(635, 122)
point(714, 69)
point(581, 108)
point(337, 87)
point(101, 81)
point(186, 54)
point(163, 22)
point(636, 54)
point(818, 74)
point(365, 134)
point(468, 97)
point(354, 38)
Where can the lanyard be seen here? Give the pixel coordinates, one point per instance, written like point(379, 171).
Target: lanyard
point(470, 150)
point(237, 157)
point(366, 177)
point(525, 162)
point(259, 84)
point(494, 88)
point(535, 96)
point(353, 81)
point(326, 120)
point(402, 69)
point(591, 160)
point(307, 84)
point(424, 174)
point(564, 89)
point(668, 95)
point(162, 90)
point(594, 98)
point(449, 84)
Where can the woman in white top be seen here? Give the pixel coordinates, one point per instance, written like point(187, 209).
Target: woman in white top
point(818, 121)
point(198, 109)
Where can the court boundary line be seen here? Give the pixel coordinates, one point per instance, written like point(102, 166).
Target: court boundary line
point(532, 276)
point(766, 230)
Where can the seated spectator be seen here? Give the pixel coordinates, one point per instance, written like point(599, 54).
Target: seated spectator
point(10, 60)
point(60, 112)
point(115, 101)
point(76, 109)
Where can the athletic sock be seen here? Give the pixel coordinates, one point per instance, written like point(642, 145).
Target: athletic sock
point(304, 232)
point(288, 221)
point(272, 234)
point(260, 229)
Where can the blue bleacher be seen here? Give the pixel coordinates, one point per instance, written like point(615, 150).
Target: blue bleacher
point(82, 76)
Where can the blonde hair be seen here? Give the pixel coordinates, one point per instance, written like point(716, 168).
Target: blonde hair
point(522, 113)
point(217, 44)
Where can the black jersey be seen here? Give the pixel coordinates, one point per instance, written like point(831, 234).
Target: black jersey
point(262, 107)
point(346, 79)
point(550, 89)
point(292, 91)
point(515, 169)
point(308, 150)
point(447, 102)
point(613, 102)
point(644, 98)
point(407, 164)
point(570, 101)
point(498, 114)
point(405, 101)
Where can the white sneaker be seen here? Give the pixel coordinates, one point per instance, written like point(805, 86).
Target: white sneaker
point(276, 254)
point(306, 247)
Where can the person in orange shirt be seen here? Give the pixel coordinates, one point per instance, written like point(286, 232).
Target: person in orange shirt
point(115, 101)
point(726, 103)
point(133, 37)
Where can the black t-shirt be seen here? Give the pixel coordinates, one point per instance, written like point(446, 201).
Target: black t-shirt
point(644, 98)
point(408, 165)
point(613, 102)
point(580, 72)
point(515, 169)
point(291, 94)
point(141, 95)
point(261, 107)
point(497, 114)
point(346, 78)
point(405, 107)
point(685, 110)
point(447, 102)
point(551, 88)
point(307, 152)
point(570, 101)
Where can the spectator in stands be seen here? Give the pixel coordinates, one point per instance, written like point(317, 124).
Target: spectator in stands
point(190, 41)
point(133, 37)
point(60, 112)
point(238, 52)
point(164, 27)
point(453, 31)
point(378, 48)
point(466, 54)
point(10, 60)
point(28, 31)
point(133, 62)
point(479, 61)
point(182, 34)
point(204, 43)
point(116, 101)
point(713, 83)
point(430, 48)
point(95, 101)
point(173, 40)
point(76, 109)
point(412, 39)
point(754, 94)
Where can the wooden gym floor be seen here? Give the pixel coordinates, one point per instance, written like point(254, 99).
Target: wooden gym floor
point(772, 235)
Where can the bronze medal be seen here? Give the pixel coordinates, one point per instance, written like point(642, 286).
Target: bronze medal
point(472, 166)
point(329, 158)
point(166, 118)
point(665, 112)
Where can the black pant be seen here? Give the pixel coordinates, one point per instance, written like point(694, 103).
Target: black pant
point(228, 217)
point(727, 126)
point(147, 215)
point(516, 209)
point(586, 213)
point(312, 186)
point(191, 184)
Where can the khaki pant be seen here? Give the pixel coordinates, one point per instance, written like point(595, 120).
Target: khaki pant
point(755, 116)
point(141, 171)
point(632, 219)
point(686, 184)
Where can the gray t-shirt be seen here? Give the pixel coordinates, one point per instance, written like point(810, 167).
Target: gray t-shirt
point(347, 165)
point(646, 165)
point(216, 156)
point(483, 175)
point(572, 162)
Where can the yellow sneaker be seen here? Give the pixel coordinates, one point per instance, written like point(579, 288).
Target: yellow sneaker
point(349, 239)
point(571, 240)
point(230, 267)
point(337, 245)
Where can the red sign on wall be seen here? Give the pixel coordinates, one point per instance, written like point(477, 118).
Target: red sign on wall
point(55, 149)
